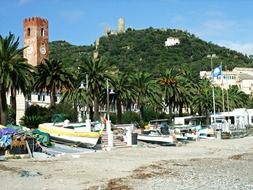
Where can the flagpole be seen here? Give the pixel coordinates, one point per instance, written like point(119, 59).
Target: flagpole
point(211, 57)
point(213, 103)
point(222, 88)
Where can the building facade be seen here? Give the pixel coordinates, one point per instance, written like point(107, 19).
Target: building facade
point(239, 76)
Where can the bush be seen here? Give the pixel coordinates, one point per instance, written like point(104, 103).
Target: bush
point(36, 110)
point(130, 117)
point(67, 110)
point(113, 117)
point(150, 114)
point(35, 115)
point(31, 122)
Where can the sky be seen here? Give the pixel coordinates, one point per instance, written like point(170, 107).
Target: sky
point(227, 23)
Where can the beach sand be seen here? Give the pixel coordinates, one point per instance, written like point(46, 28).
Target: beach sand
point(208, 164)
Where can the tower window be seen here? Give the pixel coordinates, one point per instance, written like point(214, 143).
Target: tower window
point(29, 32)
point(42, 33)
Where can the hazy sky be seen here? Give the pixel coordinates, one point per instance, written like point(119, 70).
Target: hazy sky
point(225, 22)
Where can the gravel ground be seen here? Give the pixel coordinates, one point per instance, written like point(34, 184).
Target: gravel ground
point(214, 164)
point(222, 174)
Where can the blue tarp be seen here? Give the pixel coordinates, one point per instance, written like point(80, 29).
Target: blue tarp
point(5, 140)
point(7, 131)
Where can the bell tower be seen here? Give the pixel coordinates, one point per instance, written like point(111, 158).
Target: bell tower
point(36, 40)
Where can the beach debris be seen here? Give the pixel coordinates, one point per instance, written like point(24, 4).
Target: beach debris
point(25, 173)
point(180, 164)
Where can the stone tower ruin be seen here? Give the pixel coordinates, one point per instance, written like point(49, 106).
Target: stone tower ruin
point(121, 25)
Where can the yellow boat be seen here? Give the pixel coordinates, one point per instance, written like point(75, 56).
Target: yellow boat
point(73, 133)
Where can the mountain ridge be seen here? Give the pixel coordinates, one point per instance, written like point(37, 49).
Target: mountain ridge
point(145, 50)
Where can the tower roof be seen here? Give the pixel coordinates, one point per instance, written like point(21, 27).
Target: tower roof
point(35, 21)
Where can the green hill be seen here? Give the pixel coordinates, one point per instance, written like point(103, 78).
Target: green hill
point(67, 53)
point(145, 50)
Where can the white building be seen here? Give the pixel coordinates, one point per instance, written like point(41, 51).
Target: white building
point(242, 77)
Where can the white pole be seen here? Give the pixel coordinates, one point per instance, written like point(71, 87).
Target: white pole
point(87, 121)
point(213, 104)
point(213, 55)
point(107, 96)
point(108, 122)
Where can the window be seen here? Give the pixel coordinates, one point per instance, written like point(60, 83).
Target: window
point(28, 31)
point(41, 97)
point(29, 97)
point(42, 33)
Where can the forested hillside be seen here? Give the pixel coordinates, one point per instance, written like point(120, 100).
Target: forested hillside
point(67, 53)
point(145, 50)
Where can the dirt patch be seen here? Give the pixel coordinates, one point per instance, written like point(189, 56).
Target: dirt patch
point(236, 157)
point(11, 169)
point(113, 184)
point(141, 173)
point(117, 184)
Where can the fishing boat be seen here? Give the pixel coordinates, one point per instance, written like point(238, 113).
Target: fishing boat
point(155, 137)
point(72, 133)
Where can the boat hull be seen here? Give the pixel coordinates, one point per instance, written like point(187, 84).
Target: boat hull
point(66, 135)
point(166, 140)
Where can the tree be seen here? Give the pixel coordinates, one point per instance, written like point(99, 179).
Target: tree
point(52, 76)
point(15, 73)
point(122, 92)
point(188, 84)
point(172, 89)
point(98, 71)
point(78, 97)
point(145, 90)
point(203, 100)
point(236, 98)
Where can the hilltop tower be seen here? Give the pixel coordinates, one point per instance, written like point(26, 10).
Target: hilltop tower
point(36, 40)
point(121, 25)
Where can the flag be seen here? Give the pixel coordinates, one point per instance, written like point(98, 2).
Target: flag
point(216, 72)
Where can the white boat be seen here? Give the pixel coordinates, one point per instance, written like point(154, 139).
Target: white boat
point(155, 137)
point(206, 133)
point(72, 133)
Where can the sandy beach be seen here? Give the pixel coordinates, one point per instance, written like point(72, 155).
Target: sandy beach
point(209, 164)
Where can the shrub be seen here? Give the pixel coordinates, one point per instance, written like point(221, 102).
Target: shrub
point(150, 114)
point(130, 117)
point(67, 110)
point(32, 121)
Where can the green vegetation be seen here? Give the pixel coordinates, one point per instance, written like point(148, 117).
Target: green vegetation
point(67, 53)
point(15, 74)
point(145, 50)
point(136, 64)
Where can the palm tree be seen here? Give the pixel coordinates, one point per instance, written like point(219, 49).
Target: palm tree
point(98, 71)
point(173, 92)
point(203, 100)
point(53, 76)
point(22, 77)
point(78, 97)
point(15, 73)
point(236, 98)
point(122, 92)
point(188, 84)
point(145, 90)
